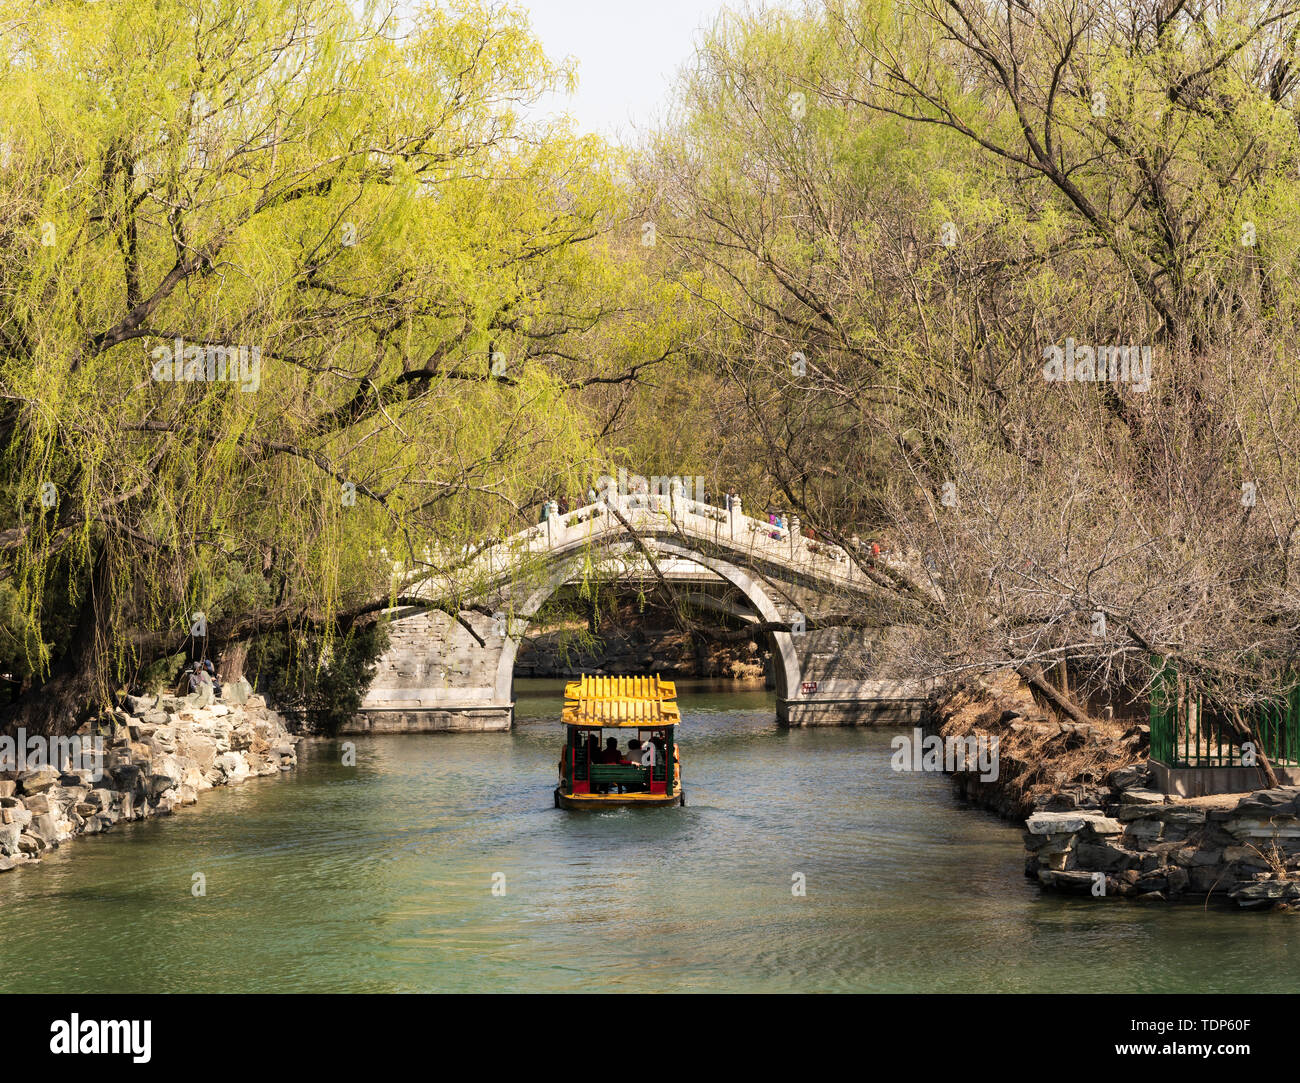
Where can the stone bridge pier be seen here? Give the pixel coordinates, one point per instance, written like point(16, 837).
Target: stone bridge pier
point(436, 676)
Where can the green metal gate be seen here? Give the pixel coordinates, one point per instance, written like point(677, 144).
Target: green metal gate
point(1182, 735)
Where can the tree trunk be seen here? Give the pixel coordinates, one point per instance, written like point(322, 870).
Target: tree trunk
point(1035, 679)
point(75, 687)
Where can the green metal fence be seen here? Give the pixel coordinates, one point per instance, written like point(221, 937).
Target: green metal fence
point(1183, 734)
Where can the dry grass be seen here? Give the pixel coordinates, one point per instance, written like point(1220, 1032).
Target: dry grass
point(1037, 759)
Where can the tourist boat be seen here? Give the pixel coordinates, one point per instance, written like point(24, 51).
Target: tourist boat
point(596, 715)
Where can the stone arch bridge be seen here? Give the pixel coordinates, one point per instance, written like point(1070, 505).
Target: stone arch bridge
point(436, 675)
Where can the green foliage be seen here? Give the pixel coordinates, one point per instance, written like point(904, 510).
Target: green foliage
point(425, 277)
point(322, 683)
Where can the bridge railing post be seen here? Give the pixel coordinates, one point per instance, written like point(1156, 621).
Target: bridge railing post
point(794, 534)
point(737, 513)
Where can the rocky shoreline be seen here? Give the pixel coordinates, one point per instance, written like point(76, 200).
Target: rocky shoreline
point(1093, 824)
point(1152, 848)
point(160, 752)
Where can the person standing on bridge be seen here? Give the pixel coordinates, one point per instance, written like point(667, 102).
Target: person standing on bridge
point(546, 510)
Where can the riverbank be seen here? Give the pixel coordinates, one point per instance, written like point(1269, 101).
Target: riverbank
point(1094, 824)
point(160, 753)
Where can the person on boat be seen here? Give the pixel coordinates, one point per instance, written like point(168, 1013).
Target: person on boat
point(613, 755)
point(595, 754)
point(632, 757)
point(649, 757)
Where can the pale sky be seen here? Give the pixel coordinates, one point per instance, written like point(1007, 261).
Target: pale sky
point(628, 53)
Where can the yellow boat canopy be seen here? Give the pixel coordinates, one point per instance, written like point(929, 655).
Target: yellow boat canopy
point(651, 688)
point(621, 713)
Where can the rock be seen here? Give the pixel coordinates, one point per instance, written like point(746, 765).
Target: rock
point(129, 777)
point(38, 780)
point(1264, 893)
point(233, 766)
point(168, 767)
point(8, 787)
point(1207, 878)
point(1146, 829)
point(46, 826)
point(1190, 857)
point(37, 803)
point(1150, 897)
point(1136, 795)
point(31, 844)
point(1068, 823)
point(1076, 881)
point(1178, 814)
point(1178, 880)
point(1106, 856)
point(1279, 800)
point(138, 705)
point(202, 750)
point(237, 692)
point(18, 816)
point(9, 835)
point(1126, 777)
point(7, 863)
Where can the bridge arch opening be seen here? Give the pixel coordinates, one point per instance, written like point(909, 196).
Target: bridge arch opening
point(785, 660)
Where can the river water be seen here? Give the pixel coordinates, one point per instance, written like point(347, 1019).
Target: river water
point(379, 877)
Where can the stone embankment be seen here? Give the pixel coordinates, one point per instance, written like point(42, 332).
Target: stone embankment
point(1152, 847)
point(159, 752)
point(1095, 827)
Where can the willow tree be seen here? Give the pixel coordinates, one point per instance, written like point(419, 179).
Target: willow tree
point(288, 294)
point(922, 201)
